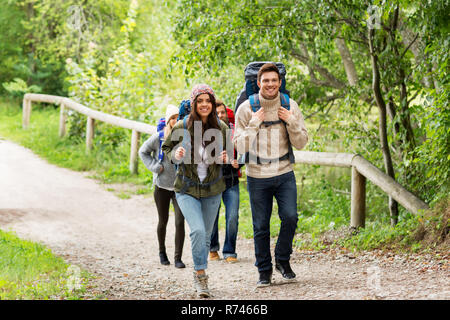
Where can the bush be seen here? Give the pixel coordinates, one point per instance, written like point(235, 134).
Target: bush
point(18, 88)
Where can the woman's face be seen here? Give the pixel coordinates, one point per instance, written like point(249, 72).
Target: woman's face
point(204, 106)
point(173, 120)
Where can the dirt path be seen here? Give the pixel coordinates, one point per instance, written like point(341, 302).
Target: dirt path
point(116, 240)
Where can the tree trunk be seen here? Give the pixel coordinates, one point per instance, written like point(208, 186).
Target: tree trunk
point(32, 62)
point(382, 128)
point(347, 60)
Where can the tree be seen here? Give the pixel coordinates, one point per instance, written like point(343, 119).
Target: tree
point(45, 33)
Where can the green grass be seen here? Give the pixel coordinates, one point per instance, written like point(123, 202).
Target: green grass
point(30, 271)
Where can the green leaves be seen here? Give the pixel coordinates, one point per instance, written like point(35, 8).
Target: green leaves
point(19, 87)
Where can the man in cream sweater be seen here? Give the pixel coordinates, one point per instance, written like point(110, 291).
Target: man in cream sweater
point(270, 174)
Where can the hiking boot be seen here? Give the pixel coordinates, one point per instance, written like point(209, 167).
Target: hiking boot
point(284, 268)
point(163, 259)
point(201, 285)
point(265, 278)
point(179, 264)
point(214, 256)
point(231, 260)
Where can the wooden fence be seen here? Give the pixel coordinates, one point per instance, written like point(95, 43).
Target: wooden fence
point(361, 169)
point(92, 116)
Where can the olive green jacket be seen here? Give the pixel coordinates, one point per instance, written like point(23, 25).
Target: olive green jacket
point(187, 180)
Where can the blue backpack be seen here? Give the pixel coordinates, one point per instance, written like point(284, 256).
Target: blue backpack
point(160, 129)
point(184, 109)
point(250, 92)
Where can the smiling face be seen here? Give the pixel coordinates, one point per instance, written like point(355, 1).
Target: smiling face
point(222, 113)
point(204, 106)
point(173, 120)
point(269, 84)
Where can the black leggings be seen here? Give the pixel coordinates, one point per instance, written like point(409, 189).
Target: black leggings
point(162, 200)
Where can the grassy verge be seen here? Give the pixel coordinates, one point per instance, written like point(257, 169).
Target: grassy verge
point(30, 271)
point(324, 193)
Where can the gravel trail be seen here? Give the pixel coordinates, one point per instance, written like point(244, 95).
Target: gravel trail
point(115, 239)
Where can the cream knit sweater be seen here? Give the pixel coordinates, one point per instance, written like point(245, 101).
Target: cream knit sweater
point(270, 142)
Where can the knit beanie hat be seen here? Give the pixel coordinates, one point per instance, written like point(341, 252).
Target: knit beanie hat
point(171, 110)
point(201, 89)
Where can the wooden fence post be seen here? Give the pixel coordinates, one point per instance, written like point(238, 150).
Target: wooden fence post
point(26, 112)
point(62, 121)
point(358, 202)
point(134, 160)
point(89, 133)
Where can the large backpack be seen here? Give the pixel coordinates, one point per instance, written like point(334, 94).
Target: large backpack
point(184, 109)
point(250, 92)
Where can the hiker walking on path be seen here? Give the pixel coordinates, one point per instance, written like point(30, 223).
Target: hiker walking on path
point(199, 182)
point(266, 136)
point(163, 179)
point(230, 199)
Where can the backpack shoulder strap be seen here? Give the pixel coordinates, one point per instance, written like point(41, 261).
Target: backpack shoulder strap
point(254, 102)
point(186, 135)
point(161, 138)
point(285, 103)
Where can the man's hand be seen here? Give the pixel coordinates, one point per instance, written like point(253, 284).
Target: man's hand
point(235, 164)
point(179, 153)
point(284, 114)
point(259, 114)
point(161, 170)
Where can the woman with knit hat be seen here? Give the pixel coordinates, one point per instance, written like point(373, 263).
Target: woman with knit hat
point(199, 182)
point(163, 180)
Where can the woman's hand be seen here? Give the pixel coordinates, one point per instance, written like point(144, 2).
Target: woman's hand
point(179, 153)
point(235, 164)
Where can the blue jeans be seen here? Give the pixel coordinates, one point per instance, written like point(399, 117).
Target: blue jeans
point(231, 201)
point(261, 192)
point(200, 215)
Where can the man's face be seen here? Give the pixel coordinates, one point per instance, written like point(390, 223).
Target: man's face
point(222, 113)
point(269, 84)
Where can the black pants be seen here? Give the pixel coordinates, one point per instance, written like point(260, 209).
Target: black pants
point(162, 199)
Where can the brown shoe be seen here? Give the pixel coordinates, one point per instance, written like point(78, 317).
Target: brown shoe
point(231, 260)
point(214, 256)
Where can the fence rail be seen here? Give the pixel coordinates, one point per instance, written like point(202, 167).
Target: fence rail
point(361, 169)
point(92, 115)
